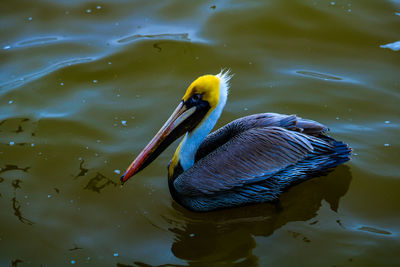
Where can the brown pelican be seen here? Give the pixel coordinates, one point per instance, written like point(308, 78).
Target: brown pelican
point(250, 160)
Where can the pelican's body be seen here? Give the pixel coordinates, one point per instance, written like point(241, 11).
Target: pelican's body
point(250, 160)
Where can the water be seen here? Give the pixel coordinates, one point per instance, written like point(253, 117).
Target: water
point(81, 93)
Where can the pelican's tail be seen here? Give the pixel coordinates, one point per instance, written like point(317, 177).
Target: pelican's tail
point(342, 152)
point(326, 156)
point(321, 162)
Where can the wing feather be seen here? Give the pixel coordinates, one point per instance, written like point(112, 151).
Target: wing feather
point(290, 122)
point(248, 157)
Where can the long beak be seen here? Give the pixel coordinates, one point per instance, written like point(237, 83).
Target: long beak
point(172, 130)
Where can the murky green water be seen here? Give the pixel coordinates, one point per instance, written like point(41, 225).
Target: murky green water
point(84, 85)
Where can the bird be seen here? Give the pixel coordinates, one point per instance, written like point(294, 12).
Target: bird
point(248, 161)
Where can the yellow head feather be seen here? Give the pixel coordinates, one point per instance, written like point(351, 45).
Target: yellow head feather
point(207, 86)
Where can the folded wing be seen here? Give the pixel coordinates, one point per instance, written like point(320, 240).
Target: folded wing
point(250, 156)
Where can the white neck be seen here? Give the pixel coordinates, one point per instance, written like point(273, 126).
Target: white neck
point(193, 139)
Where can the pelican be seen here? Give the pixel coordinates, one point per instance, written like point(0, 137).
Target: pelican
point(250, 160)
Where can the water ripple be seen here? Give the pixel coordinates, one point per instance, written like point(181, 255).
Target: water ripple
point(9, 85)
point(374, 230)
point(322, 76)
point(164, 36)
point(39, 41)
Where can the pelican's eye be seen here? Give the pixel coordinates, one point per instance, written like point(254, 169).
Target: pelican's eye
point(196, 97)
point(195, 100)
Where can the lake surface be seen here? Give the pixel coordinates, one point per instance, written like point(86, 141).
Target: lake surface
point(84, 85)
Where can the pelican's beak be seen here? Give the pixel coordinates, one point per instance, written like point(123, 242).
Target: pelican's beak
point(182, 119)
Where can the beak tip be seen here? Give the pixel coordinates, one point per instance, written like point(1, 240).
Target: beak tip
point(122, 179)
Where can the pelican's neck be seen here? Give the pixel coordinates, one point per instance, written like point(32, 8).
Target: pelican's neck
point(192, 140)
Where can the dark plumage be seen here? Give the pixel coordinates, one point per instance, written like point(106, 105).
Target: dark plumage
point(254, 159)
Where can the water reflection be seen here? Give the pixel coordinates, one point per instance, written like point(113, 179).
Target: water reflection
point(82, 170)
point(166, 36)
point(17, 206)
point(14, 263)
point(13, 121)
point(200, 237)
point(99, 182)
point(75, 248)
point(16, 184)
point(21, 80)
point(374, 230)
point(228, 236)
point(318, 75)
point(39, 41)
point(11, 167)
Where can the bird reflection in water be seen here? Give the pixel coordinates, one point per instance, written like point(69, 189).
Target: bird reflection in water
point(228, 235)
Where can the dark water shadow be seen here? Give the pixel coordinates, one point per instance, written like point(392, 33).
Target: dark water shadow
point(99, 182)
point(228, 235)
point(82, 170)
point(19, 125)
point(11, 167)
point(16, 205)
point(14, 263)
point(16, 184)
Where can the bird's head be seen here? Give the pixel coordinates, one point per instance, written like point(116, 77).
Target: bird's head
point(206, 89)
point(204, 96)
